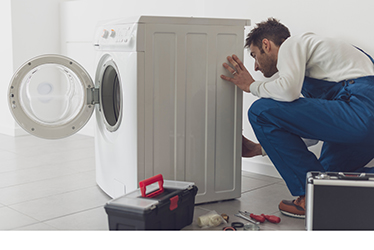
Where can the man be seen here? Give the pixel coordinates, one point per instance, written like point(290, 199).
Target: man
point(336, 80)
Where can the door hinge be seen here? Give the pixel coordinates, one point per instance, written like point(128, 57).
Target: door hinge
point(93, 96)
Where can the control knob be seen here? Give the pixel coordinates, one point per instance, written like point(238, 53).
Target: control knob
point(112, 33)
point(105, 34)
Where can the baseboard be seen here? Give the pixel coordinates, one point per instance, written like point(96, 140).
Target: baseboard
point(257, 167)
point(12, 131)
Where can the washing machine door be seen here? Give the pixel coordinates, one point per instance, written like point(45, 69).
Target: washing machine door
point(49, 96)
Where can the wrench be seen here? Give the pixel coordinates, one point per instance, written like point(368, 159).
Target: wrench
point(246, 218)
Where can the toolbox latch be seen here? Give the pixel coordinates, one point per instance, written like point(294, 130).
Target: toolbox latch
point(174, 202)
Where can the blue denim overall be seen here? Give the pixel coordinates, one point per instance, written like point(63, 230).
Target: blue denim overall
point(341, 114)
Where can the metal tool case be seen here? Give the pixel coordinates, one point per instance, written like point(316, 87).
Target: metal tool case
point(339, 201)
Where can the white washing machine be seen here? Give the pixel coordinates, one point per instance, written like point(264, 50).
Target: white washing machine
point(161, 107)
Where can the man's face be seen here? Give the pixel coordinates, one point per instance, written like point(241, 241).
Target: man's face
point(263, 61)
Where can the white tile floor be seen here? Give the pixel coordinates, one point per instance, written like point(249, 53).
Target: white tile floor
point(50, 185)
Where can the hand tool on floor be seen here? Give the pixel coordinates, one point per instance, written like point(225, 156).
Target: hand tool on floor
point(272, 218)
point(251, 227)
point(240, 215)
point(261, 218)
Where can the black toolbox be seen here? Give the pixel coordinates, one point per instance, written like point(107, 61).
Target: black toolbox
point(168, 207)
point(339, 201)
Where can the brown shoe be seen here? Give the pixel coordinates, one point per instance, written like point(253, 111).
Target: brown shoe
point(295, 208)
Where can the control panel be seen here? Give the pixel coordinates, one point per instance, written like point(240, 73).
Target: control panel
point(116, 36)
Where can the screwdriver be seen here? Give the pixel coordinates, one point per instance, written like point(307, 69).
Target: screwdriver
point(261, 218)
point(258, 218)
point(272, 218)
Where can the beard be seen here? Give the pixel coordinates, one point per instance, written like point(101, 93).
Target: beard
point(269, 73)
point(269, 67)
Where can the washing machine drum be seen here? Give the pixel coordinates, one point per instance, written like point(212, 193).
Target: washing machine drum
point(49, 96)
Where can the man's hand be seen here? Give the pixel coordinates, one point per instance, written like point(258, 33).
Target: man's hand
point(241, 76)
point(250, 148)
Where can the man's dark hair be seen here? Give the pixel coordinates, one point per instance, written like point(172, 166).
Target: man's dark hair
point(271, 29)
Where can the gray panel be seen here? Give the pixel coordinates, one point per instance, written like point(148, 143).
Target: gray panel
point(225, 119)
point(164, 73)
point(193, 117)
point(141, 116)
point(196, 108)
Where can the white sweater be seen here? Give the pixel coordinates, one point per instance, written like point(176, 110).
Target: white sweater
point(316, 57)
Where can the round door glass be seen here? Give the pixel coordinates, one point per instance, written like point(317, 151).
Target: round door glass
point(111, 96)
point(109, 83)
point(48, 96)
point(51, 95)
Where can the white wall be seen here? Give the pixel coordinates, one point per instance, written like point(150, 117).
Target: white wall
point(36, 28)
point(30, 28)
point(6, 66)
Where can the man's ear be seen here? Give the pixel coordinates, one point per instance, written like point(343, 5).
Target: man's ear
point(266, 45)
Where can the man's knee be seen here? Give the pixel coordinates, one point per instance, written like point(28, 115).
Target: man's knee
point(258, 107)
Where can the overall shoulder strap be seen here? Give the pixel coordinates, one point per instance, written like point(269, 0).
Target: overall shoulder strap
point(365, 54)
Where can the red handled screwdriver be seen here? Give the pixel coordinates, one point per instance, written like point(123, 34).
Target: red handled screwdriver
point(272, 218)
point(259, 218)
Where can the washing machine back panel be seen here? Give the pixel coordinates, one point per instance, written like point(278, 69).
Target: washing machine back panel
point(192, 118)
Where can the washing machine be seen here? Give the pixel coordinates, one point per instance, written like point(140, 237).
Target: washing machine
point(160, 104)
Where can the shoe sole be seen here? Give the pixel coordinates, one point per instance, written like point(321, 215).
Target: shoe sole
point(298, 216)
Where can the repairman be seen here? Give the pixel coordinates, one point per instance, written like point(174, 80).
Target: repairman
point(336, 81)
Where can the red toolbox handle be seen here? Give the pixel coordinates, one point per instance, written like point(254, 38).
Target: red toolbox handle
point(143, 185)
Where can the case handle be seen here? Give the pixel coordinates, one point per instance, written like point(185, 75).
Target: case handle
point(353, 176)
point(143, 185)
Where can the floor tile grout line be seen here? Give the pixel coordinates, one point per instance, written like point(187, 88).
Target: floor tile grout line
point(259, 188)
point(45, 221)
point(69, 214)
point(15, 210)
point(49, 196)
point(44, 164)
point(38, 222)
point(64, 149)
point(260, 179)
point(56, 177)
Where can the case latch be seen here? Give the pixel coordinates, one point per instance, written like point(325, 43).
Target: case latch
point(173, 202)
point(93, 96)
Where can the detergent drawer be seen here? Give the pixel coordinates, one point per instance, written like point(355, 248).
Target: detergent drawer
point(339, 201)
